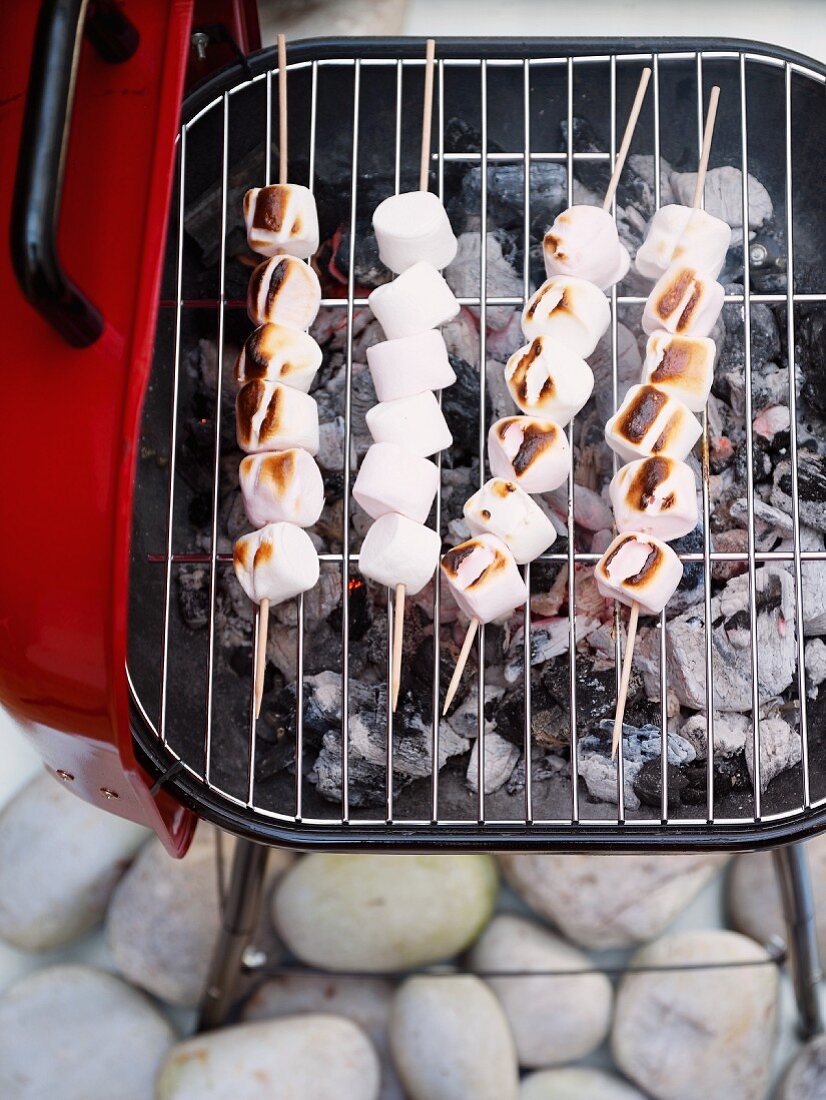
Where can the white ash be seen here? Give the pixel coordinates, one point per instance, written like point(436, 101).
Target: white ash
point(811, 488)
point(464, 718)
point(638, 746)
point(815, 662)
point(731, 645)
point(549, 638)
point(730, 732)
point(779, 750)
point(502, 281)
point(501, 757)
point(499, 401)
point(723, 195)
point(643, 165)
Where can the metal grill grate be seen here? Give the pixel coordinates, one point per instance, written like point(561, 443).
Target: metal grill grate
point(212, 761)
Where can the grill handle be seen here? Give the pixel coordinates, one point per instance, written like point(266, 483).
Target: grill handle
point(39, 179)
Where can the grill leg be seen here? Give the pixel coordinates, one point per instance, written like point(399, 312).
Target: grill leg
point(798, 908)
point(238, 921)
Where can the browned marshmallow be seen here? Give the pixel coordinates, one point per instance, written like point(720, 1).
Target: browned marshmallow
point(484, 578)
point(650, 422)
point(682, 366)
point(639, 568)
point(283, 290)
point(272, 417)
point(279, 354)
point(683, 301)
point(534, 453)
point(281, 218)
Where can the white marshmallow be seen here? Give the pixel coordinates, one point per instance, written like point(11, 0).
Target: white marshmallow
point(416, 423)
point(279, 354)
point(680, 234)
point(418, 300)
point(501, 508)
point(281, 486)
point(639, 568)
point(398, 551)
point(684, 302)
point(281, 218)
point(484, 578)
point(650, 422)
point(272, 417)
point(391, 479)
point(682, 366)
point(572, 311)
point(533, 453)
point(275, 563)
point(412, 227)
point(283, 290)
point(655, 496)
point(583, 241)
point(547, 379)
point(401, 368)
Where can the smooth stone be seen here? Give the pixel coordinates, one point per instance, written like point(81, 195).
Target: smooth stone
point(75, 1033)
point(451, 1041)
point(365, 1001)
point(165, 915)
point(318, 1056)
point(60, 859)
point(383, 912)
point(680, 1034)
point(806, 1077)
point(753, 894)
point(576, 1083)
point(612, 900)
point(544, 1036)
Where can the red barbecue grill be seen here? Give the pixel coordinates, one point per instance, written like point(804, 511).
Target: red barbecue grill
point(131, 665)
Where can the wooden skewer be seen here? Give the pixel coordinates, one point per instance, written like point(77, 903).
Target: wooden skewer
point(398, 635)
point(424, 172)
point(455, 679)
point(708, 134)
point(626, 677)
point(427, 113)
point(264, 605)
point(630, 126)
point(261, 653)
point(282, 109)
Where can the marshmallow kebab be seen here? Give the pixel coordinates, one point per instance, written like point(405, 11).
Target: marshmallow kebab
point(276, 419)
point(549, 382)
point(655, 495)
point(396, 483)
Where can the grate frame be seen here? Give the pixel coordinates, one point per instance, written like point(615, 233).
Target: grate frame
point(194, 786)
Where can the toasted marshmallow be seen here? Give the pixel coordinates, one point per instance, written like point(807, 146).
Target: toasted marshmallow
point(398, 551)
point(650, 422)
point(275, 563)
point(684, 302)
point(413, 227)
point(418, 300)
point(283, 290)
point(391, 479)
point(416, 423)
point(533, 453)
point(402, 368)
point(547, 379)
point(682, 366)
point(279, 354)
point(583, 241)
point(655, 496)
point(639, 568)
point(272, 417)
point(501, 508)
point(682, 235)
point(281, 486)
point(571, 311)
point(484, 578)
point(281, 219)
